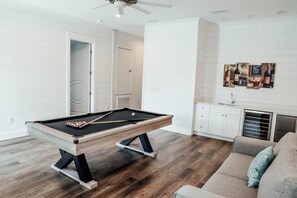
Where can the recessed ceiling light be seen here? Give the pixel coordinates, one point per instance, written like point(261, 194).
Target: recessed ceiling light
point(219, 11)
point(281, 12)
point(99, 21)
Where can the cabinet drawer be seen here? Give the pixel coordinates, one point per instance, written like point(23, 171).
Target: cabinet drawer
point(201, 126)
point(202, 107)
point(202, 115)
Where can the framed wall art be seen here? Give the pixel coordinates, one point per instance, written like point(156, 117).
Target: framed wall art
point(251, 76)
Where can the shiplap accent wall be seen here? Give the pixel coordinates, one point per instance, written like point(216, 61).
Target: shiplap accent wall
point(169, 71)
point(254, 41)
point(33, 65)
point(201, 57)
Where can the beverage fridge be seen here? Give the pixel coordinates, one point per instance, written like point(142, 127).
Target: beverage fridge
point(284, 124)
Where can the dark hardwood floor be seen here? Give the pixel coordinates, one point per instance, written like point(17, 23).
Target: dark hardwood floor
point(25, 168)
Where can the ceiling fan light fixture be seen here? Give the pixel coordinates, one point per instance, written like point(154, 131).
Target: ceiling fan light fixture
point(120, 5)
point(120, 12)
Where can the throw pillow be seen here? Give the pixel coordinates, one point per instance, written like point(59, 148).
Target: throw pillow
point(259, 165)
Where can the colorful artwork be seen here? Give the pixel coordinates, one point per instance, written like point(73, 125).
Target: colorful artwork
point(229, 75)
point(268, 74)
point(250, 76)
point(255, 77)
point(242, 74)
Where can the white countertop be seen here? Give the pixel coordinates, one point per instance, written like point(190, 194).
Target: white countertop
point(275, 108)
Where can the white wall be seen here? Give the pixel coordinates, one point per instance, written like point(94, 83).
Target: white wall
point(255, 41)
point(136, 43)
point(201, 57)
point(33, 65)
point(169, 71)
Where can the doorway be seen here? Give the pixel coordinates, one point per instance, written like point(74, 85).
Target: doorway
point(80, 77)
point(123, 76)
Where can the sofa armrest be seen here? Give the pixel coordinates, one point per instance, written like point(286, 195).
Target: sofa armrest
point(188, 191)
point(250, 146)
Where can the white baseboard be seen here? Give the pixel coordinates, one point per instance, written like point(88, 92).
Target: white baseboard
point(214, 136)
point(13, 134)
point(180, 130)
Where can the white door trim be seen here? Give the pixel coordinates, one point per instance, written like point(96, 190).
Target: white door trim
point(86, 39)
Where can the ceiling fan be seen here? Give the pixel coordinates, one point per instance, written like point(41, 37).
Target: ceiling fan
point(121, 4)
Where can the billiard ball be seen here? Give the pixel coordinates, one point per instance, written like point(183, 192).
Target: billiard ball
point(133, 114)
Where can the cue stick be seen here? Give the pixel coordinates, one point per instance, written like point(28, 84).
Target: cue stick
point(117, 121)
point(96, 119)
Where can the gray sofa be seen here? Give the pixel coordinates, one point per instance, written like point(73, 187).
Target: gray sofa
point(230, 180)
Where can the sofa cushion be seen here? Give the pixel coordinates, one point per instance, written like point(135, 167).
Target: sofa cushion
point(230, 187)
point(289, 140)
point(236, 165)
point(280, 179)
point(259, 165)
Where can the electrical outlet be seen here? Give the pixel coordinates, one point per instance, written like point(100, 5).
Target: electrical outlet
point(10, 120)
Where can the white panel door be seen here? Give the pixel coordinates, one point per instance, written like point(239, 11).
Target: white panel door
point(79, 78)
point(123, 70)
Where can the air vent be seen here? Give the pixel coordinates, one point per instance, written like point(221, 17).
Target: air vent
point(219, 11)
point(122, 101)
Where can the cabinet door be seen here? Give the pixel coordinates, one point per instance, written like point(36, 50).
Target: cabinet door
point(216, 123)
point(232, 125)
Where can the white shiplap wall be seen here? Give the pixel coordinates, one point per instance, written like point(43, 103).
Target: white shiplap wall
point(254, 41)
point(201, 58)
point(33, 65)
point(169, 71)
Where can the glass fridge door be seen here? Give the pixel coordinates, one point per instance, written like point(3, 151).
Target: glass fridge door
point(284, 124)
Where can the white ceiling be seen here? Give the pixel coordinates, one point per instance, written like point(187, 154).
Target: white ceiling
point(133, 21)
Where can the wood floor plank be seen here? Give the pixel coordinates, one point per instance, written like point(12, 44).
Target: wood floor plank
point(25, 168)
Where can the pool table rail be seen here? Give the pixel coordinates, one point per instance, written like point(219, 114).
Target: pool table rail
point(55, 137)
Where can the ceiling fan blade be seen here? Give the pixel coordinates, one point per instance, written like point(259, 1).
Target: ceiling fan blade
point(140, 9)
point(101, 6)
point(154, 4)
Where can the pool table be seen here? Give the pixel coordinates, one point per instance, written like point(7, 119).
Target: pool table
point(121, 125)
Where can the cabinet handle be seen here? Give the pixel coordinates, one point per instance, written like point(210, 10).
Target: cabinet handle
point(222, 115)
point(202, 116)
point(202, 107)
point(201, 127)
point(225, 115)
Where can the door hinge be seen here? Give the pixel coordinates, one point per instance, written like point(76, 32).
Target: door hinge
point(90, 93)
